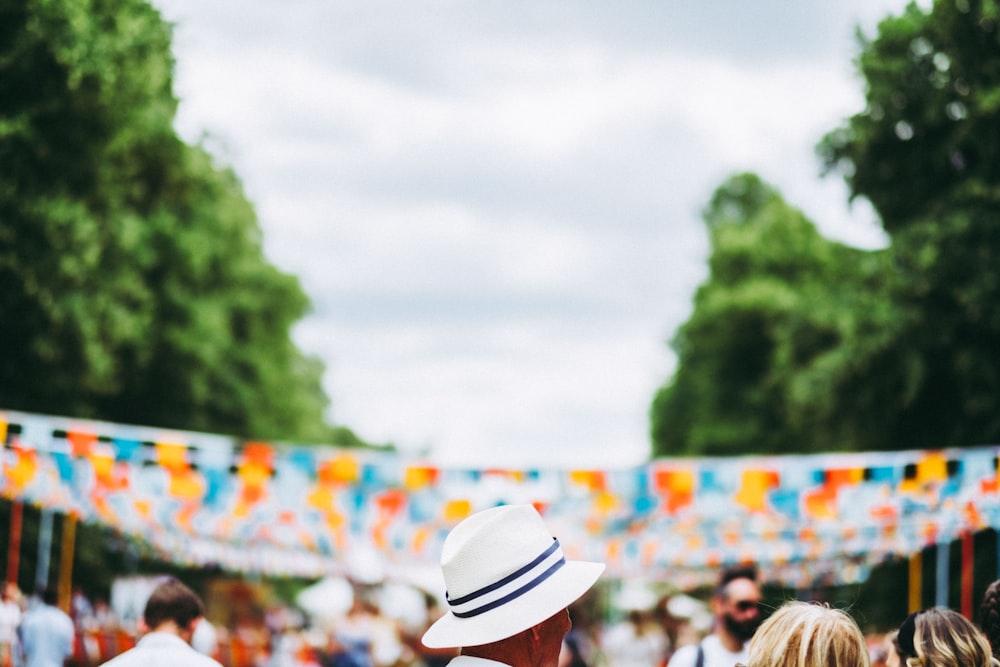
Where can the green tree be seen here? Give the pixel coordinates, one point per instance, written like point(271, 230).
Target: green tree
point(930, 129)
point(891, 349)
point(926, 152)
point(133, 285)
point(764, 347)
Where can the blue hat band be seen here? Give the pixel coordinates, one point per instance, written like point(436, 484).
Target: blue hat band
point(511, 587)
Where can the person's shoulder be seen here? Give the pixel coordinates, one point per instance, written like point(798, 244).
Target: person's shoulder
point(716, 650)
point(684, 656)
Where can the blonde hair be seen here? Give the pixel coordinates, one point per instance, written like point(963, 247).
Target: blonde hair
point(803, 634)
point(944, 638)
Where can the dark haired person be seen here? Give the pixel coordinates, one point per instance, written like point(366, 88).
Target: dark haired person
point(736, 607)
point(171, 615)
point(989, 616)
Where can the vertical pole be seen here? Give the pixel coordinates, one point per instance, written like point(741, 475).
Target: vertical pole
point(967, 566)
point(66, 564)
point(943, 574)
point(916, 581)
point(14, 545)
point(44, 550)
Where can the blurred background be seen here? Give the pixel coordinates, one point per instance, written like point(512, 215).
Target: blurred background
point(289, 289)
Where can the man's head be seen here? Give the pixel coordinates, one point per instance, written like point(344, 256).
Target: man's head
point(50, 596)
point(506, 574)
point(737, 603)
point(173, 602)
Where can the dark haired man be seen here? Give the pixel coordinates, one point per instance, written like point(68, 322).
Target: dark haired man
point(171, 615)
point(736, 607)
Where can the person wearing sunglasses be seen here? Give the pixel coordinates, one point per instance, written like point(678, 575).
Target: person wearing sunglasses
point(809, 634)
point(941, 637)
point(736, 607)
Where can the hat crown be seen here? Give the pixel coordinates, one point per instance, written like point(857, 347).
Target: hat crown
point(504, 572)
point(490, 546)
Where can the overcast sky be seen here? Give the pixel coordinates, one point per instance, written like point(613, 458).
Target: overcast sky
point(495, 206)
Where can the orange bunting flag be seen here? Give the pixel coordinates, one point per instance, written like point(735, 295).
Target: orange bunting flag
point(844, 477)
point(108, 475)
point(391, 502)
point(417, 477)
point(342, 469)
point(821, 503)
point(991, 485)
point(593, 480)
point(81, 442)
point(676, 486)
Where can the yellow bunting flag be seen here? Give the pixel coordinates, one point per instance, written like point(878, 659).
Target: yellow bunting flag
point(171, 456)
point(417, 477)
point(934, 468)
point(342, 469)
point(754, 486)
point(456, 510)
point(605, 503)
point(23, 471)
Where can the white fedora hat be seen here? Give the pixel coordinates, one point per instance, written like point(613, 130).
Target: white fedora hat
point(504, 573)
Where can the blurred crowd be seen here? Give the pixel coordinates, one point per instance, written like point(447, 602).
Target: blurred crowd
point(631, 627)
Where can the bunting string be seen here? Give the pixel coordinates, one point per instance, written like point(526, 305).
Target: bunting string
point(285, 509)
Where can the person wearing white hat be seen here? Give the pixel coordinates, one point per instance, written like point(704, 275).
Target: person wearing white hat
point(509, 587)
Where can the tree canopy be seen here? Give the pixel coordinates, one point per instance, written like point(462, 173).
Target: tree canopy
point(800, 344)
point(766, 342)
point(133, 283)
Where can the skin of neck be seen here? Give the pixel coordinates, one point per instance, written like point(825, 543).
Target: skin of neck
point(525, 649)
point(515, 651)
point(171, 627)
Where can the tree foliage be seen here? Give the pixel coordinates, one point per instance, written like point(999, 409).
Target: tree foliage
point(133, 284)
point(926, 152)
point(930, 130)
point(800, 344)
point(765, 343)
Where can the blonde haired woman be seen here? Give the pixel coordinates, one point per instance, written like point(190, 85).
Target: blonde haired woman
point(941, 637)
point(804, 634)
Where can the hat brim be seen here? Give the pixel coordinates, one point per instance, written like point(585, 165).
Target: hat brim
point(554, 594)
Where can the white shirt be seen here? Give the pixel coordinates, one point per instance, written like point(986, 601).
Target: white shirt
point(47, 636)
point(471, 661)
point(162, 649)
point(626, 646)
point(10, 618)
point(716, 655)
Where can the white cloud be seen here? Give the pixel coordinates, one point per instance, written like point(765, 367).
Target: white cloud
point(496, 212)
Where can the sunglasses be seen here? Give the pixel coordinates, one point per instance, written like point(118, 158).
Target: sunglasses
point(747, 605)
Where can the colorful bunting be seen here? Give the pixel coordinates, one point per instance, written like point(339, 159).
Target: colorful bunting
point(206, 499)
